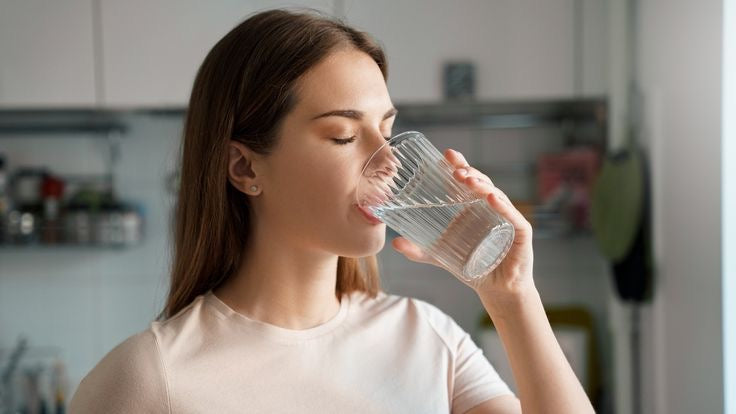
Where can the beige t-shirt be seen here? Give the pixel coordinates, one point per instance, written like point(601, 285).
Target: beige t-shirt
point(389, 354)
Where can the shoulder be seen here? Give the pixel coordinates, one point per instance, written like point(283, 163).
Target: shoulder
point(441, 323)
point(387, 301)
point(412, 310)
point(129, 378)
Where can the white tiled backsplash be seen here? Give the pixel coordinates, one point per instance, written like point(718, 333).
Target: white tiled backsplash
point(80, 301)
point(85, 301)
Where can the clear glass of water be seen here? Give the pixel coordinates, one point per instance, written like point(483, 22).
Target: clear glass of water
point(409, 185)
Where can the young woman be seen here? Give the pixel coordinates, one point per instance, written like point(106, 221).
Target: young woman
point(275, 304)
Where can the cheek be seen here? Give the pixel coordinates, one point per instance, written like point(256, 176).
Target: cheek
point(320, 210)
point(334, 180)
point(317, 190)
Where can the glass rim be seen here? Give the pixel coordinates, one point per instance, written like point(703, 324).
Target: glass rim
point(391, 142)
point(395, 140)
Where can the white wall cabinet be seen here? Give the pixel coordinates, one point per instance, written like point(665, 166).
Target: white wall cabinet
point(152, 49)
point(593, 41)
point(46, 53)
point(521, 48)
point(137, 53)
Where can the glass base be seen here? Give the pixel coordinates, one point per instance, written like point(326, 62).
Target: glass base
point(489, 252)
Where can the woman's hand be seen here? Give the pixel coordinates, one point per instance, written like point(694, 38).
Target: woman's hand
point(513, 277)
point(546, 382)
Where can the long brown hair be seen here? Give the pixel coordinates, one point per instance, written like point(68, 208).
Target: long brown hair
point(242, 91)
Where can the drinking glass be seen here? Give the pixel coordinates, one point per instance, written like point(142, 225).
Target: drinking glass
point(409, 185)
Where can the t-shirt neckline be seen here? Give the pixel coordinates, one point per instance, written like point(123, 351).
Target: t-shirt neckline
point(277, 333)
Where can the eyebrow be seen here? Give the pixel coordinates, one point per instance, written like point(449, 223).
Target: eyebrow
point(354, 114)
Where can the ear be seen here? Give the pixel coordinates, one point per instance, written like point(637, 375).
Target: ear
point(240, 171)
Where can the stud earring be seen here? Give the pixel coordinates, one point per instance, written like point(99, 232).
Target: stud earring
point(254, 188)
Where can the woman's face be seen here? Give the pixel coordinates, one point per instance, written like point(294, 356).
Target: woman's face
point(310, 179)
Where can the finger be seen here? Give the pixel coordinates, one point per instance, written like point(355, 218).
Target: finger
point(501, 204)
point(463, 173)
point(478, 185)
point(410, 250)
point(502, 195)
point(455, 158)
point(484, 188)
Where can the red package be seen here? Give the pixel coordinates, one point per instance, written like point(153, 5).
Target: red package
point(570, 175)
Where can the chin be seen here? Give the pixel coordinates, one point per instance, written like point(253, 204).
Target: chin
point(365, 243)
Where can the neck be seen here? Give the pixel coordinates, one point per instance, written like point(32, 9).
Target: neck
point(286, 286)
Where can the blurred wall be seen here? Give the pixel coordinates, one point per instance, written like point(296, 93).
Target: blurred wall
point(77, 303)
point(680, 56)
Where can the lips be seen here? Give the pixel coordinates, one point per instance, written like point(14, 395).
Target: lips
point(368, 216)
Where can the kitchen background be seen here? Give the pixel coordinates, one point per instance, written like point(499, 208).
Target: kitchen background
point(534, 93)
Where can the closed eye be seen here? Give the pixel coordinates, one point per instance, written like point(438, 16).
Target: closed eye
point(344, 141)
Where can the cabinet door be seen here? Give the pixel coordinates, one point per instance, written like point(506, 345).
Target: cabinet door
point(152, 49)
point(46, 53)
point(594, 47)
point(521, 48)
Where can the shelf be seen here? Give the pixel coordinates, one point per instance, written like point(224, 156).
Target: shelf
point(64, 121)
point(501, 115)
point(15, 248)
point(59, 121)
point(475, 114)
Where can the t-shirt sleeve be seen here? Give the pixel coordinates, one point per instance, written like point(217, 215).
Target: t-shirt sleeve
point(474, 380)
point(129, 379)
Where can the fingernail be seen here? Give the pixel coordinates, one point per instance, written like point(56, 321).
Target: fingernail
point(462, 171)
